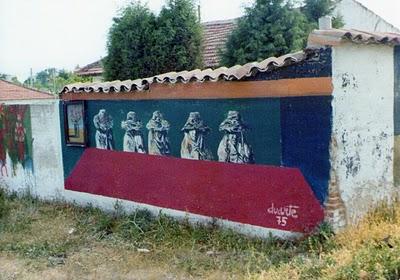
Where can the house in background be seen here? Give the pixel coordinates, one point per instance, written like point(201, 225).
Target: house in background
point(355, 16)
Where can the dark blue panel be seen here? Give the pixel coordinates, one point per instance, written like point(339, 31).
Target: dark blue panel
point(306, 132)
point(397, 90)
point(317, 64)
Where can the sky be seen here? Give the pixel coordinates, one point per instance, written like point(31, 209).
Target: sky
point(39, 34)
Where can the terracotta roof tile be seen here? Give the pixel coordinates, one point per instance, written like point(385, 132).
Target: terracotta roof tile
point(336, 36)
point(94, 68)
point(10, 91)
point(237, 72)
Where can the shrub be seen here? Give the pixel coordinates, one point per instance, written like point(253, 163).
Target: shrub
point(4, 207)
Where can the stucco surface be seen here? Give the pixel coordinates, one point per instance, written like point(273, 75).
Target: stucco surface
point(362, 153)
point(356, 16)
point(47, 154)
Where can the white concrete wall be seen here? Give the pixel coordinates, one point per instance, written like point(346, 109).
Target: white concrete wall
point(45, 180)
point(356, 16)
point(47, 153)
point(108, 204)
point(363, 128)
point(17, 178)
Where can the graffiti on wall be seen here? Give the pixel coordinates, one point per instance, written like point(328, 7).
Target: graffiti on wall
point(281, 143)
point(15, 139)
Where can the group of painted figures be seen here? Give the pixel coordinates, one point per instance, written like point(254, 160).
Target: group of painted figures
point(232, 148)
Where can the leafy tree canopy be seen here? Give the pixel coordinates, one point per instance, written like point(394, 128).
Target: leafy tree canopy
point(53, 80)
point(182, 33)
point(315, 9)
point(141, 44)
point(10, 78)
point(273, 28)
point(130, 44)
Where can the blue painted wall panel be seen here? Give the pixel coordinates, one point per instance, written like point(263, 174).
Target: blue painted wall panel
point(306, 132)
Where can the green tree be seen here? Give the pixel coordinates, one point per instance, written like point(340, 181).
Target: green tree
point(315, 9)
point(141, 44)
point(53, 80)
point(15, 80)
point(268, 28)
point(274, 28)
point(130, 50)
point(12, 79)
point(179, 36)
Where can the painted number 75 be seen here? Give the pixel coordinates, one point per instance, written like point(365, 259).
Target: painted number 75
point(282, 221)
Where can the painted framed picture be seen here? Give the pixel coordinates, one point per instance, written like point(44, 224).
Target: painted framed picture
point(74, 123)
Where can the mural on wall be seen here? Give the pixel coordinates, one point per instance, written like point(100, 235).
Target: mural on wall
point(233, 146)
point(158, 135)
point(194, 143)
point(15, 138)
point(133, 138)
point(103, 123)
point(75, 133)
point(289, 138)
point(207, 137)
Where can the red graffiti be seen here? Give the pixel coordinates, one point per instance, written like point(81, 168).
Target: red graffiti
point(13, 136)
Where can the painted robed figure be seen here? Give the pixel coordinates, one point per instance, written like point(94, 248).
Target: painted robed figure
point(158, 135)
point(193, 145)
point(233, 146)
point(133, 138)
point(103, 123)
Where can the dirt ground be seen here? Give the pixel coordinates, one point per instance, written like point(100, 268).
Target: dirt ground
point(93, 263)
point(46, 241)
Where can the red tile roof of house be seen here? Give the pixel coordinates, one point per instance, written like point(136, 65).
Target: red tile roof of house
point(92, 69)
point(214, 37)
point(10, 91)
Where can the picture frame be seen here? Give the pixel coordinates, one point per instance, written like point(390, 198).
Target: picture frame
point(75, 123)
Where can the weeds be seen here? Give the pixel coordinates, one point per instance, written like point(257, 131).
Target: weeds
point(4, 207)
point(321, 241)
point(37, 231)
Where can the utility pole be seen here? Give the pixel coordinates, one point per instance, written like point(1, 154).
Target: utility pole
point(31, 79)
point(199, 11)
point(54, 81)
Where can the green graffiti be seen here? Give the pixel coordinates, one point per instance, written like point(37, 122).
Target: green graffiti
point(15, 137)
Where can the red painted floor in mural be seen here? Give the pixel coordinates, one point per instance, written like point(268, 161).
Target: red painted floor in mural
point(271, 197)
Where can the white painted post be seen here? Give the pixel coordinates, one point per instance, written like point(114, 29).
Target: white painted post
point(325, 23)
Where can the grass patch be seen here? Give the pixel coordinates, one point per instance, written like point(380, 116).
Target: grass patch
point(4, 208)
point(88, 239)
